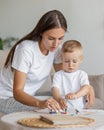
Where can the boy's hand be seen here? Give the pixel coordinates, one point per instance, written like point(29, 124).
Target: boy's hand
point(70, 96)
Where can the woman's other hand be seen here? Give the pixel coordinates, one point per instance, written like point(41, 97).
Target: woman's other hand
point(90, 98)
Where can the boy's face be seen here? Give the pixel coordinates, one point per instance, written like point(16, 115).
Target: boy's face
point(71, 61)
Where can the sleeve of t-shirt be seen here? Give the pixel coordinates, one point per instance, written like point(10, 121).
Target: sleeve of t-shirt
point(84, 79)
point(22, 59)
point(56, 82)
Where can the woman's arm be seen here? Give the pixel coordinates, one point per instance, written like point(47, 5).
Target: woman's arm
point(18, 90)
point(24, 98)
point(57, 67)
point(90, 98)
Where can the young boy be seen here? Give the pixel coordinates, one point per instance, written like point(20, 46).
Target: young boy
point(70, 85)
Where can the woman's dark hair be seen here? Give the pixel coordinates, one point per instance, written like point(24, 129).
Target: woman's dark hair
point(50, 20)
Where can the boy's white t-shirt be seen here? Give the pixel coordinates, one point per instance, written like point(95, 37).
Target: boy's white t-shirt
point(28, 59)
point(70, 83)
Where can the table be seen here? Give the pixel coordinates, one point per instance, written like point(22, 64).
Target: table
point(10, 120)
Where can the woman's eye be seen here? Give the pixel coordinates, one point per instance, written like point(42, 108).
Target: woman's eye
point(50, 38)
point(61, 38)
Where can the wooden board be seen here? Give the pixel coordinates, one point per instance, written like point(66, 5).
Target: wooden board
point(72, 121)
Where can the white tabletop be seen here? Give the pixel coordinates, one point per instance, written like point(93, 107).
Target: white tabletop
point(10, 120)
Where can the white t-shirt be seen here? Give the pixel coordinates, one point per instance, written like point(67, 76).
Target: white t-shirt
point(28, 59)
point(70, 83)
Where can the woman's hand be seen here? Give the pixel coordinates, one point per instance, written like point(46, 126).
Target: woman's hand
point(90, 98)
point(50, 103)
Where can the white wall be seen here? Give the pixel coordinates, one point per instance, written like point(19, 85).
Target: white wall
point(85, 23)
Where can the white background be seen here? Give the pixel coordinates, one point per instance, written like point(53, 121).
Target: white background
point(85, 23)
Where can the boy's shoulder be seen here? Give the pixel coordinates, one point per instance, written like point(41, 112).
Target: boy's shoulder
point(81, 72)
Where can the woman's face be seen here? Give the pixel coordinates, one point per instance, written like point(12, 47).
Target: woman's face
point(51, 39)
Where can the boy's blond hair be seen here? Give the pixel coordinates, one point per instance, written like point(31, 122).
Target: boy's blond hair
point(71, 46)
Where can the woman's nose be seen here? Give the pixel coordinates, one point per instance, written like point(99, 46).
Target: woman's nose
point(56, 43)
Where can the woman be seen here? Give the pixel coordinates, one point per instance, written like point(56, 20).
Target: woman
point(29, 63)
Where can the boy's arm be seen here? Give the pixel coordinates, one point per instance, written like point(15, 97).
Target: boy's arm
point(58, 98)
point(56, 93)
point(87, 91)
point(82, 92)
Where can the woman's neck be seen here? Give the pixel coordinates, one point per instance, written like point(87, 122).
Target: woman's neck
point(43, 49)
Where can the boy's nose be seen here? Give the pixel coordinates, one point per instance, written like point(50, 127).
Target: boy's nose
point(70, 64)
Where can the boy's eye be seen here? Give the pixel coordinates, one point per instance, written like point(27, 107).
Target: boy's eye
point(75, 61)
point(66, 61)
